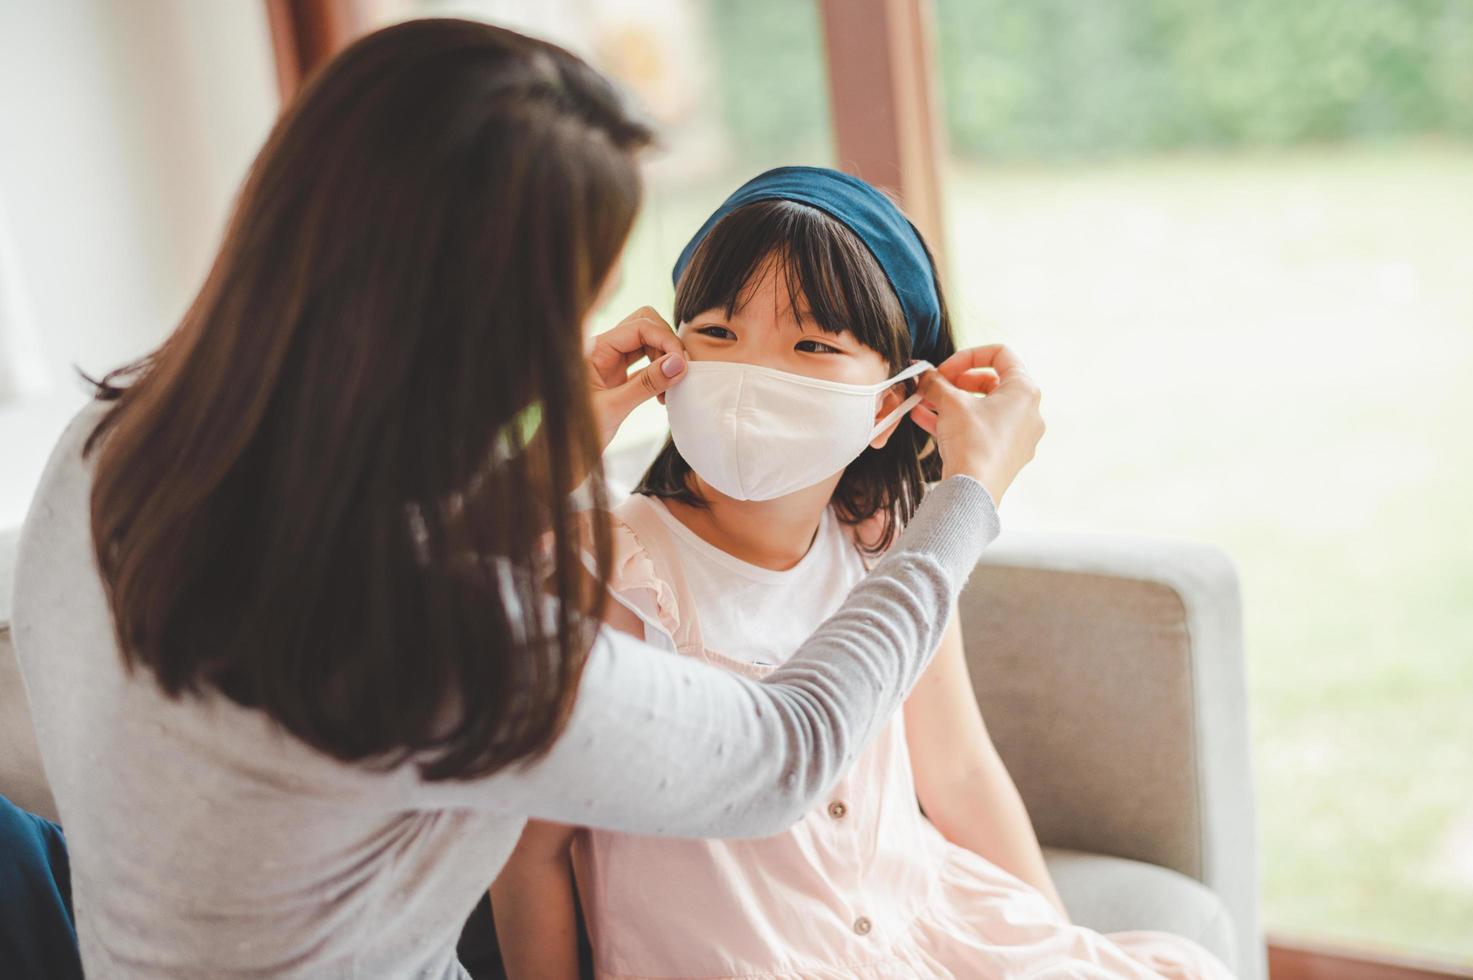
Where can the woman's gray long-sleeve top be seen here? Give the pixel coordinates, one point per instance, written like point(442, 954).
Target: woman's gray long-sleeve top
point(205, 841)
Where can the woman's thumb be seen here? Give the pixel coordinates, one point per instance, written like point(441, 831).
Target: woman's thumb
point(938, 392)
point(935, 391)
point(656, 378)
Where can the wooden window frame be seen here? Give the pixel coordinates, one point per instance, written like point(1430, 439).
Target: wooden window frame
point(1294, 959)
point(306, 33)
point(882, 96)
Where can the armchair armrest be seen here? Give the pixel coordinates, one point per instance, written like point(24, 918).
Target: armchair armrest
point(1109, 669)
point(22, 780)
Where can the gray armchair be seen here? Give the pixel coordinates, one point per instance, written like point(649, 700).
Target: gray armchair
point(1110, 672)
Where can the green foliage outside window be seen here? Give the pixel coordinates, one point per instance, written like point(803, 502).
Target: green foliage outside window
point(1050, 79)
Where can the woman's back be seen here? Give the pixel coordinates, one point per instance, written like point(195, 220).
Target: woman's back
point(204, 840)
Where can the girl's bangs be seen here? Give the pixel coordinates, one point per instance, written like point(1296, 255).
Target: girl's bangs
point(832, 279)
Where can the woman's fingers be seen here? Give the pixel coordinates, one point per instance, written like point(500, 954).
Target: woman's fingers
point(655, 378)
point(936, 390)
point(644, 333)
point(924, 417)
point(616, 392)
point(998, 357)
point(977, 380)
point(989, 438)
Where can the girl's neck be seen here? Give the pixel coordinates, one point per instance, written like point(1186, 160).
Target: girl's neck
point(773, 534)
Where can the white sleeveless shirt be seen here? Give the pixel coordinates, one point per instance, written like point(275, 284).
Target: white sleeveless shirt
point(760, 615)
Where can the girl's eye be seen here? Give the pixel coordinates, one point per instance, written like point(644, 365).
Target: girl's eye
point(810, 346)
point(720, 333)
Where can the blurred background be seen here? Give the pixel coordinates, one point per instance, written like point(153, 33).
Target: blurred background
point(1233, 239)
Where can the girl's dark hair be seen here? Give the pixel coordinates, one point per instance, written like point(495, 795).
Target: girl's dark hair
point(317, 497)
point(832, 274)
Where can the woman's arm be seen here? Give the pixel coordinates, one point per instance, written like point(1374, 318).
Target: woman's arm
point(533, 904)
point(961, 781)
point(667, 745)
point(664, 744)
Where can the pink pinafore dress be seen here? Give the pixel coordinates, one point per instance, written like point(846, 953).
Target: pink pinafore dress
point(863, 887)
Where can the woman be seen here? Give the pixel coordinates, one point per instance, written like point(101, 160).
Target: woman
point(300, 604)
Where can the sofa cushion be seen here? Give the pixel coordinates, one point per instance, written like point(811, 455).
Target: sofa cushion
point(1112, 894)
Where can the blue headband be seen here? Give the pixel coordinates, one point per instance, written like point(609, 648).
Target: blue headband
point(892, 239)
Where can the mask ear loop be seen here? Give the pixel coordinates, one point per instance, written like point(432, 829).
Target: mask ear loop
point(918, 368)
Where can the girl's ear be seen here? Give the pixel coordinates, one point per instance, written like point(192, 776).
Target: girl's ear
point(886, 404)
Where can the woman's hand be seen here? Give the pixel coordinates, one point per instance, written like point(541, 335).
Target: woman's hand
point(616, 393)
point(989, 438)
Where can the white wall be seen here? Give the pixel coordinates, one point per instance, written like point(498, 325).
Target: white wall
point(125, 129)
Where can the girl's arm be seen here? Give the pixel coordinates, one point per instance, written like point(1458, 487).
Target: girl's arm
point(532, 899)
point(532, 902)
point(960, 779)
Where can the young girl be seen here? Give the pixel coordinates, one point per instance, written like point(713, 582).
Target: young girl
point(803, 303)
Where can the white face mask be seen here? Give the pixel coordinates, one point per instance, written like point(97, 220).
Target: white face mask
point(755, 433)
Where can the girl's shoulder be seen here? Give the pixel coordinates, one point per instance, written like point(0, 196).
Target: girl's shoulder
point(645, 566)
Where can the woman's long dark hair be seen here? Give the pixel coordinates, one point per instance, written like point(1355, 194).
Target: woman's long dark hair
point(830, 272)
point(318, 496)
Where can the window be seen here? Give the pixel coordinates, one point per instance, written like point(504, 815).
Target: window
point(1235, 241)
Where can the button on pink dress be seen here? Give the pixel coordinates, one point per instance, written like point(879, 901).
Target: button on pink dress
point(863, 886)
